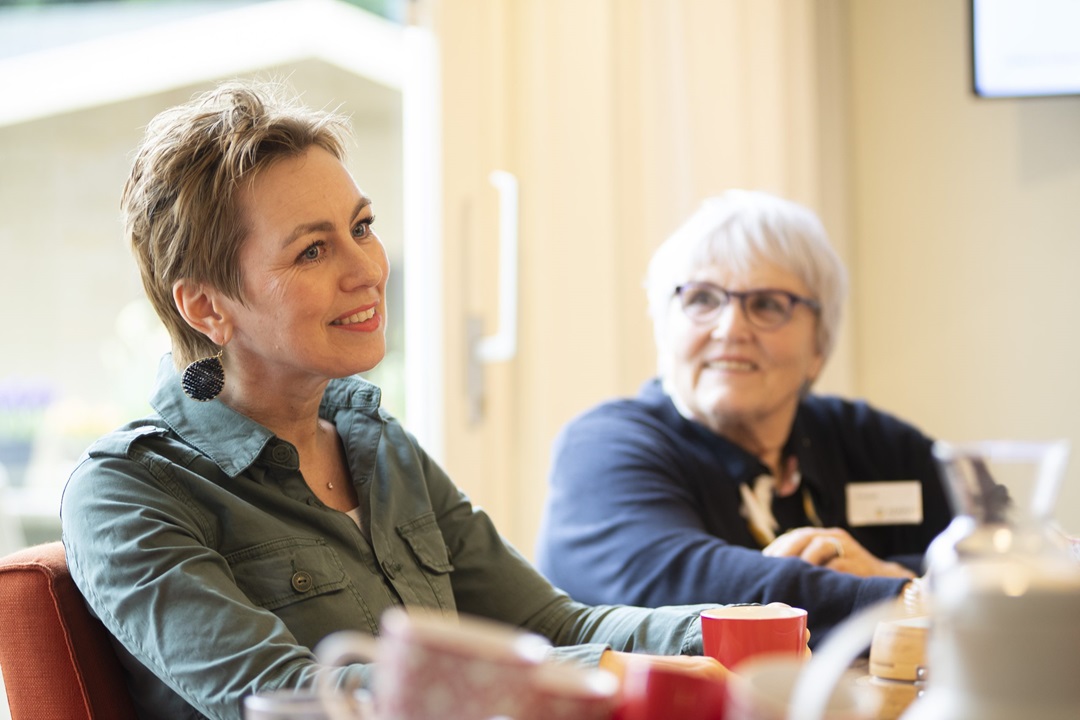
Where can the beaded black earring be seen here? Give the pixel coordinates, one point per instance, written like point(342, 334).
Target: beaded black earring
point(203, 379)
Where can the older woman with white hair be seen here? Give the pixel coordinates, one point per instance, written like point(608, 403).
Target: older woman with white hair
point(725, 480)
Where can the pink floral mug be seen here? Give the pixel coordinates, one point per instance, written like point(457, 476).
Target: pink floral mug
point(435, 666)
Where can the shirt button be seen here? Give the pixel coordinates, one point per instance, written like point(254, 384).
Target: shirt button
point(301, 581)
point(388, 568)
point(281, 454)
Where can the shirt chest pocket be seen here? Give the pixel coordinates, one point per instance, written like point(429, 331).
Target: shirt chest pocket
point(425, 539)
point(281, 572)
point(428, 547)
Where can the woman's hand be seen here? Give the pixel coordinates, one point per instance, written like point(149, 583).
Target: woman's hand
point(835, 549)
point(617, 662)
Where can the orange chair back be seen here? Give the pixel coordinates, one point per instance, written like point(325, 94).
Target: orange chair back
point(56, 658)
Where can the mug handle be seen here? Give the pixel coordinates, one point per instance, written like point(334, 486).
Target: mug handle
point(342, 648)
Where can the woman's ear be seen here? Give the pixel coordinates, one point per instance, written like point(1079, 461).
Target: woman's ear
point(201, 308)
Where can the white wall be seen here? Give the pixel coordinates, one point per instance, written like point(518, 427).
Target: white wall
point(965, 217)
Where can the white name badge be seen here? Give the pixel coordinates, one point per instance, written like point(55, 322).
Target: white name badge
point(898, 502)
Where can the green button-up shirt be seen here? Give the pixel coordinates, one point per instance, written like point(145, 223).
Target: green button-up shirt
point(194, 538)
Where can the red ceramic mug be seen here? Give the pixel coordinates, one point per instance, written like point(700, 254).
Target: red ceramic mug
point(653, 692)
point(735, 633)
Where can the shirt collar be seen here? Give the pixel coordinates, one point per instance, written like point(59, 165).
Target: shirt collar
point(231, 439)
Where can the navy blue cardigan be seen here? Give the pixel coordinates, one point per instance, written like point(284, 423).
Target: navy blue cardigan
point(644, 507)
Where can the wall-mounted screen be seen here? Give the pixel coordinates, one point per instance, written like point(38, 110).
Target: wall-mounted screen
point(1025, 48)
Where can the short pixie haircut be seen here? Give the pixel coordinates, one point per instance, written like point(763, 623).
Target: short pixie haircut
point(737, 229)
point(180, 204)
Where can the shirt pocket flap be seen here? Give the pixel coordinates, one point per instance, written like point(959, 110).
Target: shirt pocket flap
point(281, 572)
point(427, 543)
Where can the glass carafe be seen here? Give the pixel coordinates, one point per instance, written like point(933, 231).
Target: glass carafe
point(1004, 590)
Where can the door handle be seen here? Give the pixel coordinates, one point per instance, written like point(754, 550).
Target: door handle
point(502, 345)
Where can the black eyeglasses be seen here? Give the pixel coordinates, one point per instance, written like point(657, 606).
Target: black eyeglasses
point(766, 309)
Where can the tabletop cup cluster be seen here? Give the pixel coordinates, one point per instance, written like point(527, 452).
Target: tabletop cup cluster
point(467, 668)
